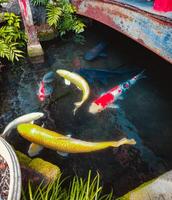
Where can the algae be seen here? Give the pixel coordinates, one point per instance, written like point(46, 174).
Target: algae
point(47, 169)
point(23, 159)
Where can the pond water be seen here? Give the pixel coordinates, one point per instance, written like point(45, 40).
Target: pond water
point(145, 113)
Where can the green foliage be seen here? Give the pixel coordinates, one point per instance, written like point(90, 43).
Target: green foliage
point(79, 189)
point(3, 1)
point(39, 2)
point(11, 38)
point(54, 13)
point(61, 15)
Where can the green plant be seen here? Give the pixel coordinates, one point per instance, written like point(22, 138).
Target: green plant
point(61, 15)
point(79, 189)
point(39, 2)
point(3, 1)
point(11, 37)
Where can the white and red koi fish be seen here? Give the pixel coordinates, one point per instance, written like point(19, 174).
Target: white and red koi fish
point(108, 99)
point(41, 91)
point(45, 86)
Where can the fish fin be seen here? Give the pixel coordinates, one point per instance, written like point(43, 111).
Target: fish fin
point(77, 105)
point(67, 82)
point(49, 77)
point(32, 122)
point(74, 111)
point(120, 98)
point(64, 154)
point(78, 88)
point(43, 125)
point(48, 90)
point(141, 75)
point(114, 106)
point(124, 141)
point(34, 149)
point(69, 135)
point(63, 138)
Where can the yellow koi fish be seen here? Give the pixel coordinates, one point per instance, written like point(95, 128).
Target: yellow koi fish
point(61, 143)
point(80, 83)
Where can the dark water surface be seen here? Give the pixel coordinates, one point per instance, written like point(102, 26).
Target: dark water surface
point(145, 114)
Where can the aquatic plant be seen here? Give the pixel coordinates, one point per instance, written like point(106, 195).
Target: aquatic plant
point(79, 189)
point(61, 15)
point(11, 37)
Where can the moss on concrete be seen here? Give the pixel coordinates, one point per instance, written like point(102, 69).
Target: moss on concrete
point(45, 168)
point(45, 32)
point(23, 159)
point(48, 170)
point(35, 50)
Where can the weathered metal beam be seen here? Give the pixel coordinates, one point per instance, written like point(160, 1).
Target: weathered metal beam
point(151, 31)
point(34, 47)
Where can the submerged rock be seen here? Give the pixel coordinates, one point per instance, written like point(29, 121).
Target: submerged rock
point(45, 32)
point(47, 169)
point(37, 170)
point(23, 159)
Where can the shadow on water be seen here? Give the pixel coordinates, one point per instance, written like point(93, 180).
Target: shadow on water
point(144, 114)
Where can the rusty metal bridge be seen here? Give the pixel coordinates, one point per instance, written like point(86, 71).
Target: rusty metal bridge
point(134, 18)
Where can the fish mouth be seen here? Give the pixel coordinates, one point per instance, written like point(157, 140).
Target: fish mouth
point(60, 72)
point(94, 108)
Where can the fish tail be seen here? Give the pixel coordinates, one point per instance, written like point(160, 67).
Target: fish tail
point(8, 129)
point(137, 77)
point(124, 141)
point(77, 105)
point(141, 75)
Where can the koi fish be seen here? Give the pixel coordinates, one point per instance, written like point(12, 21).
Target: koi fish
point(103, 75)
point(109, 98)
point(45, 87)
point(22, 119)
point(80, 83)
point(49, 77)
point(98, 50)
point(61, 143)
point(41, 91)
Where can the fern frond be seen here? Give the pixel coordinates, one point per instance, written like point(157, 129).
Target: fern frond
point(78, 26)
point(53, 13)
point(39, 2)
point(3, 1)
point(13, 52)
point(4, 51)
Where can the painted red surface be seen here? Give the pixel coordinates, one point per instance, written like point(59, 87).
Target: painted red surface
point(24, 8)
point(150, 30)
point(163, 5)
